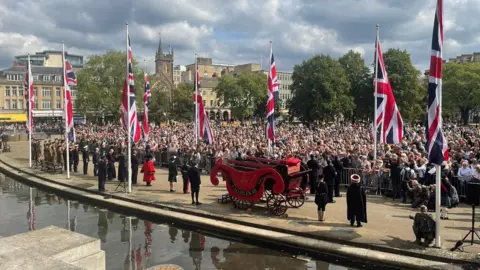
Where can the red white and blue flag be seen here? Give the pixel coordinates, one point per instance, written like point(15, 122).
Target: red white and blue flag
point(203, 125)
point(129, 115)
point(272, 97)
point(70, 80)
point(29, 98)
point(388, 121)
point(436, 141)
point(146, 101)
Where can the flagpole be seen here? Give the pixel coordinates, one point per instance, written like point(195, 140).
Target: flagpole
point(269, 142)
point(196, 101)
point(67, 150)
point(375, 96)
point(144, 107)
point(129, 128)
point(30, 112)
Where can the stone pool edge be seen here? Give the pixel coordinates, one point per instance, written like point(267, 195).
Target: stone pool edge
point(232, 228)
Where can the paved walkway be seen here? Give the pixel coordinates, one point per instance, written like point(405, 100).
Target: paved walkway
point(388, 221)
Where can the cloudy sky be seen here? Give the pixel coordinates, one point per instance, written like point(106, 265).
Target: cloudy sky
point(237, 31)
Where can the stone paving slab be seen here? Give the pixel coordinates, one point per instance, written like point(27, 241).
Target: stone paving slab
point(388, 221)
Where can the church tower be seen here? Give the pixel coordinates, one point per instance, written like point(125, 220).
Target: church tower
point(164, 65)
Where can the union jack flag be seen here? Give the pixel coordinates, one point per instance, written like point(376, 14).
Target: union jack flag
point(70, 80)
point(388, 121)
point(129, 115)
point(29, 97)
point(437, 143)
point(146, 102)
point(203, 124)
point(272, 96)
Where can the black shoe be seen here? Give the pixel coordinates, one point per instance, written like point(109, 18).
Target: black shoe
point(193, 203)
point(351, 224)
point(332, 201)
point(359, 225)
point(198, 203)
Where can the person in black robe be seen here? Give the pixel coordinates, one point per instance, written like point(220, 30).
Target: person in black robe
point(102, 173)
point(134, 162)
point(184, 170)
point(122, 167)
point(195, 181)
point(75, 158)
point(95, 160)
point(338, 164)
point(85, 158)
point(329, 174)
point(321, 198)
point(313, 165)
point(111, 164)
point(356, 202)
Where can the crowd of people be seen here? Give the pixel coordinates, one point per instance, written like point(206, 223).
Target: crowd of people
point(327, 149)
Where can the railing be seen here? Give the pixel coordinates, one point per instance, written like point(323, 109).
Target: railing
point(380, 182)
point(162, 159)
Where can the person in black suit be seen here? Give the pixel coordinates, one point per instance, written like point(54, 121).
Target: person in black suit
point(111, 164)
point(135, 163)
point(95, 160)
point(85, 158)
point(195, 181)
point(329, 173)
point(313, 165)
point(184, 169)
point(102, 173)
point(338, 164)
point(75, 158)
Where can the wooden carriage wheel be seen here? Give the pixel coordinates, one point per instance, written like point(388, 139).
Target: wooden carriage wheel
point(296, 201)
point(277, 204)
point(266, 194)
point(242, 204)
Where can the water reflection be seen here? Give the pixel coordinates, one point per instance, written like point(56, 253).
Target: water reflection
point(131, 243)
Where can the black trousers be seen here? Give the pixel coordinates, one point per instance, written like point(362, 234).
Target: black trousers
point(195, 192)
point(75, 166)
point(95, 169)
point(330, 193)
point(134, 175)
point(186, 183)
point(313, 183)
point(338, 179)
point(355, 218)
point(101, 184)
point(85, 167)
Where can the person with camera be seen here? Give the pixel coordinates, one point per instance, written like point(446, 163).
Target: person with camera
point(423, 227)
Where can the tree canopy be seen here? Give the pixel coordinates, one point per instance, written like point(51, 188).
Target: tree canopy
point(243, 94)
point(406, 83)
point(461, 89)
point(100, 84)
point(321, 90)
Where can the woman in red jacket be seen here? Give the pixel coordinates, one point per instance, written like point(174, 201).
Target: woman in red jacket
point(148, 170)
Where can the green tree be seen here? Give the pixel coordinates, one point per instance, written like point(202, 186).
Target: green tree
point(361, 83)
point(461, 89)
point(405, 79)
point(321, 90)
point(100, 84)
point(182, 105)
point(242, 94)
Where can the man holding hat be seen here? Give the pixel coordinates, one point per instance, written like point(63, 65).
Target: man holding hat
point(356, 202)
point(85, 158)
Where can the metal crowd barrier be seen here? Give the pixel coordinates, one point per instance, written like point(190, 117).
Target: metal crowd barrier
point(162, 159)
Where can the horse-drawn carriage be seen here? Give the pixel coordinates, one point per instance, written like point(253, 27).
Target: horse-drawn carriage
point(279, 183)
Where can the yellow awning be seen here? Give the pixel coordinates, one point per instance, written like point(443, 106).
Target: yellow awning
point(13, 117)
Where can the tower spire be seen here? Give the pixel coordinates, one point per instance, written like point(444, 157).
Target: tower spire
point(159, 50)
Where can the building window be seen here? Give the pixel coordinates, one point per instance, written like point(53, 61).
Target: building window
point(20, 104)
point(7, 91)
point(14, 104)
point(14, 77)
point(204, 101)
point(46, 92)
point(20, 92)
point(35, 105)
point(57, 78)
point(14, 91)
point(7, 104)
point(35, 92)
point(46, 104)
point(57, 92)
point(35, 77)
point(73, 92)
point(211, 103)
point(57, 104)
point(204, 92)
point(46, 78)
